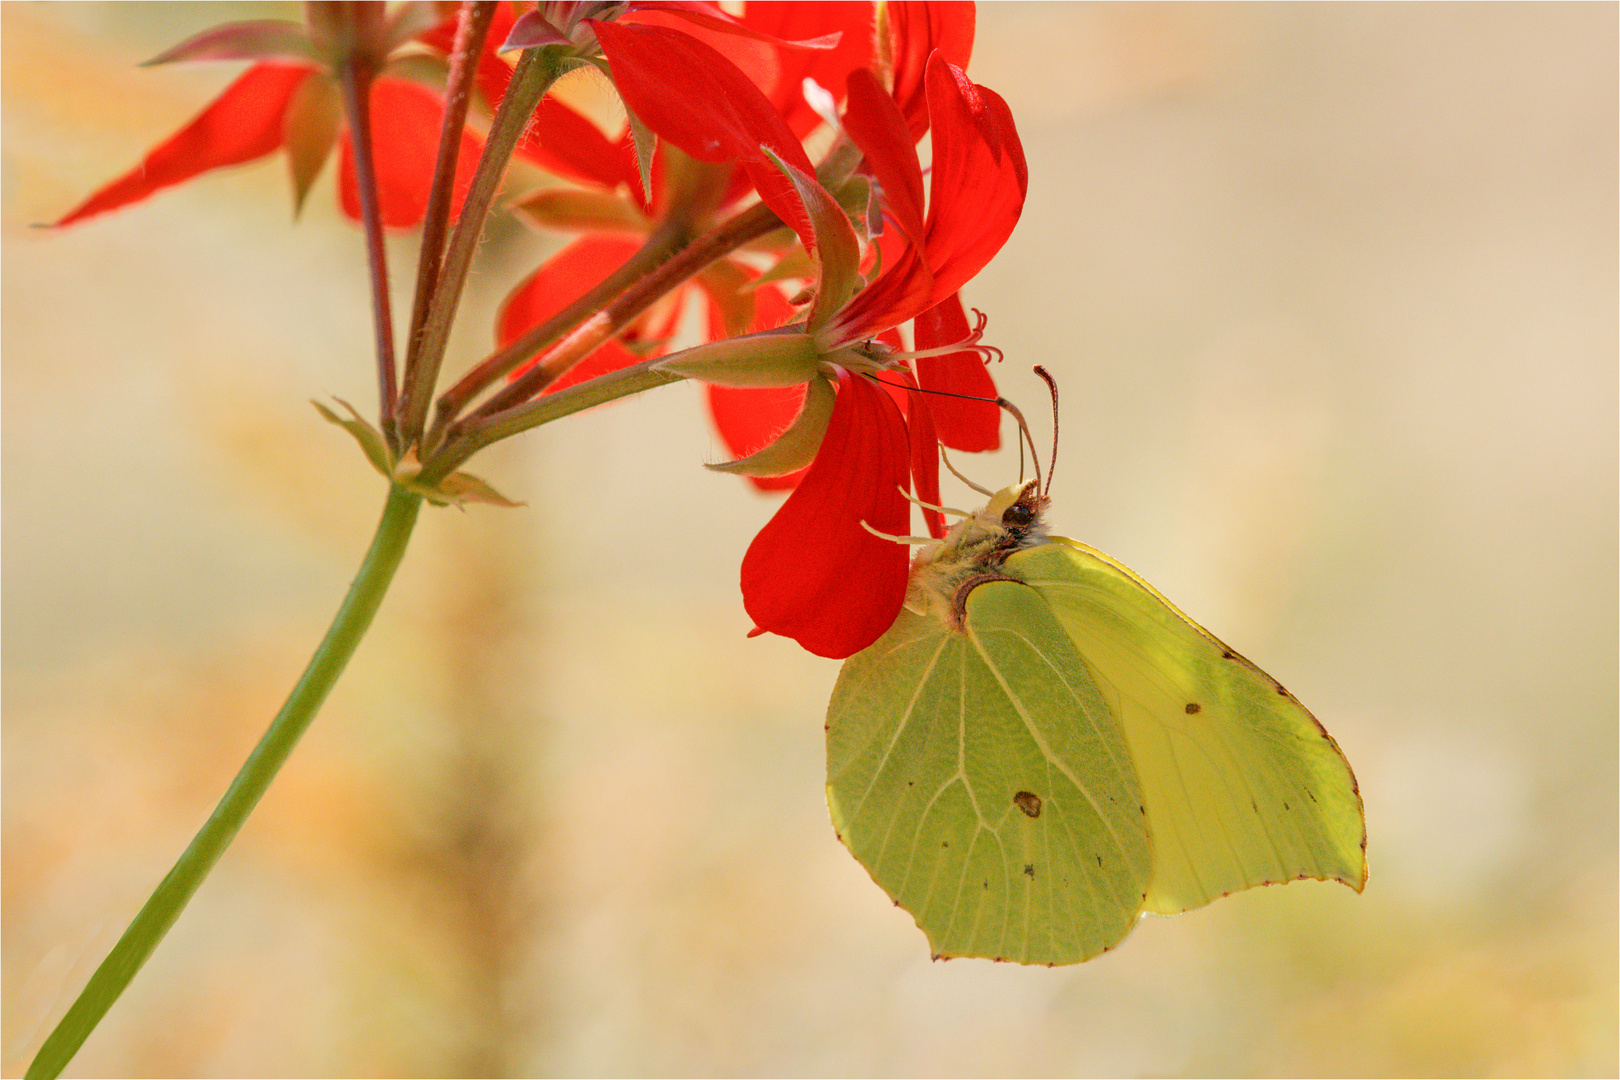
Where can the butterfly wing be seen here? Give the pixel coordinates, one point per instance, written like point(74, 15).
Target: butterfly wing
point(980, 779)
point(1242, 785)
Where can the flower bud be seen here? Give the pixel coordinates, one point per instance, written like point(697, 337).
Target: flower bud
point(785, 357)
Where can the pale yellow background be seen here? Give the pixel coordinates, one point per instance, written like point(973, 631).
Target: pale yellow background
point(1330, 292)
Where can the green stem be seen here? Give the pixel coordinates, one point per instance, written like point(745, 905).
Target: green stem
point(163, 907)
point(462, 443)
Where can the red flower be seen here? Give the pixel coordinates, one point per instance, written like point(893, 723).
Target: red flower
point(290, 101)
point(678, 77)
point(814, 573)
point(817, 572)
point(695, 98)
point(801, 577)
point(976, 193)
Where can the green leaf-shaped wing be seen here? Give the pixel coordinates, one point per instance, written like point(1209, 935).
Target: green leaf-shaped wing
point(978, 776)
point(1242, 785)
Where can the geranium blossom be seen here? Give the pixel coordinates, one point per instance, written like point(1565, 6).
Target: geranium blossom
point(290, 99)
point(761, 101)
point(816, 572)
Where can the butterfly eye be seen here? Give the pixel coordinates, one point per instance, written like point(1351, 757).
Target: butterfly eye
point(1018, 516)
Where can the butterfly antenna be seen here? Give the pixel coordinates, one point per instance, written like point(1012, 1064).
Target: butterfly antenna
point(1051, 384)
point(1028, 440)
point(946, 459)
point(925, 390)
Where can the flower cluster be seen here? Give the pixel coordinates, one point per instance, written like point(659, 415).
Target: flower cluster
point(766, 182)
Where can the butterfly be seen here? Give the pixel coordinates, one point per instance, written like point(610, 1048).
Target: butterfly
point(1042, 748)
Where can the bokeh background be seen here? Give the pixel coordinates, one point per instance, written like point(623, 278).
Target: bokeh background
point(1331, 295)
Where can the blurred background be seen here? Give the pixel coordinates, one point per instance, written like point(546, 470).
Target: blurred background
point(1331, 295)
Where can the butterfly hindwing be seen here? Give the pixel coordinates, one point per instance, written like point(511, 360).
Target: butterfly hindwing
point(1242, 785)
point(979, 777)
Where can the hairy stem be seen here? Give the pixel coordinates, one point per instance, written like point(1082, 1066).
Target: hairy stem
point(661, 244)
point(748, 225)
point(536, 70)
point(163, 907)
point(464, 444)
point(472, 27)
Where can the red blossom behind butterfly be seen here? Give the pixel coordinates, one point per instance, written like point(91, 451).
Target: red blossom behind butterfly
point(290, 99)
point(708, 128)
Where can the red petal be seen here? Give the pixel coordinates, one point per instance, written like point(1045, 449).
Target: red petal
point(697, 99)
point(915, 32)
point(780, 72)
point(562, 141)
point(973, 426)
point(405, 122)
point(243, 123)
point(813, 573)
point(924, 456)
point(828, 68)
point(902, 290)
point(874, 122)
point(558, 282)
point(716, 19)
point(978, 181)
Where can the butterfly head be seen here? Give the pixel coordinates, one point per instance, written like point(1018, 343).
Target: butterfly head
point(1021, 511)
point(975, 548)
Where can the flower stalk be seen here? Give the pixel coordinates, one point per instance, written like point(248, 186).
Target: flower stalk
point(472, 28)
point(169, 899)
point(355, 76)
point(536, 70)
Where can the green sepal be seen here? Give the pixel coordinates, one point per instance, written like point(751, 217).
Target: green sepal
point(859, 198)
point(784, 357)
point(310, 129)
point(796, 265)
point(457, 489)
point(257, 39)
point(425, 70)
point(732, 291)
point(533, 31)
point(796, 447)
point(369, 438)
point(408, 20)
point(838, 250)
point(576, 210)
point(645, 142)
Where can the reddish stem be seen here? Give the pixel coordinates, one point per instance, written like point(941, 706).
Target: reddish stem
point(472, 27)
point(618, 313)
point(356, 74)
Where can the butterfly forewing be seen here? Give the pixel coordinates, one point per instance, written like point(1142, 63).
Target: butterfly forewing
point(1242, 786)
point(979, 778)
